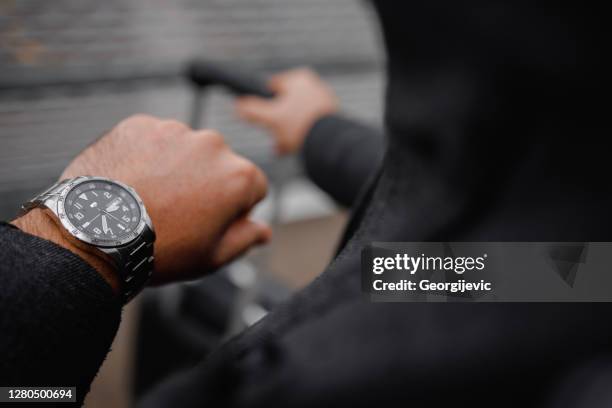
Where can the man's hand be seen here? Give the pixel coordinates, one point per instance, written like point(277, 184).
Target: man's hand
point(197, 192)
point(301, 98)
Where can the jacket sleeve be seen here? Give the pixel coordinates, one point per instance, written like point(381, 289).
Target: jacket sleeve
point(340, 154)
point(58, 316)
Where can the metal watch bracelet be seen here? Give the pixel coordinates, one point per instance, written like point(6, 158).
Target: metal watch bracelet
point(134, 260)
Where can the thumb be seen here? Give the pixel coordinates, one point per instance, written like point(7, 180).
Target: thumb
point(239, 238)
point(256, 110)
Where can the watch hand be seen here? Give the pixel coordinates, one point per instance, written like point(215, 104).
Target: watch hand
point(104, 224)
point(114, 205)
point(111, 215)
point(90, 221)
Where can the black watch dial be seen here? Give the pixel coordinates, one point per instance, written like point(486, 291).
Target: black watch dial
point(103, 210)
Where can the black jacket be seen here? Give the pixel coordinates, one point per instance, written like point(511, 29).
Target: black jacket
point(493, 133)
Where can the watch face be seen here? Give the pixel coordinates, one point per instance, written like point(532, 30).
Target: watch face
point(103, 211)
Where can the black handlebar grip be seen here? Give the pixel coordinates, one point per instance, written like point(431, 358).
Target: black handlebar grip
point(206, 73)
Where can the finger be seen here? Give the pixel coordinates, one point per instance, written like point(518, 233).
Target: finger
point(251, 185)
point(260, 187)
point(278, 81)
point(239, 238)
point(256, 110)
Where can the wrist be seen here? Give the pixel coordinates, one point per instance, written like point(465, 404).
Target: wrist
point(37, 222)
point(310, 120)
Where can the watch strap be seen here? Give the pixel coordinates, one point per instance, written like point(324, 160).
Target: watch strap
point(135, 262)
point(41, 198)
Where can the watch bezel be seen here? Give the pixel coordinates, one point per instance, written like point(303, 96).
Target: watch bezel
point(82, 236)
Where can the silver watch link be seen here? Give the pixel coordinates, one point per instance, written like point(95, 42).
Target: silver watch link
point(108, 216)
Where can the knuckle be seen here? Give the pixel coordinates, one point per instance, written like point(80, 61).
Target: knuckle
point(261, 184)
point(250, 178)
point(246, 170)
point(303, 73)
point(138, 119)
point(211, 139)
point(172, 127)
point(132, 126)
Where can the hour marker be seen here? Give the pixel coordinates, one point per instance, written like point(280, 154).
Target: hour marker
point(124, 208)
point(78, 205)
point(94, 193)
point(94, 204)
point(86, 224)
point(83, 197)
point(121, 226)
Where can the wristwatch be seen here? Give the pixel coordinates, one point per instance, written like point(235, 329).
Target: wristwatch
point(103, 215)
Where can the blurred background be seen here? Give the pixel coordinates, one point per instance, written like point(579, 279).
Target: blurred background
point(71, 69)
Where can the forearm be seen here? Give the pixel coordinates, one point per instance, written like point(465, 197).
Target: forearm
point(340, 155)
point(58, 315)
